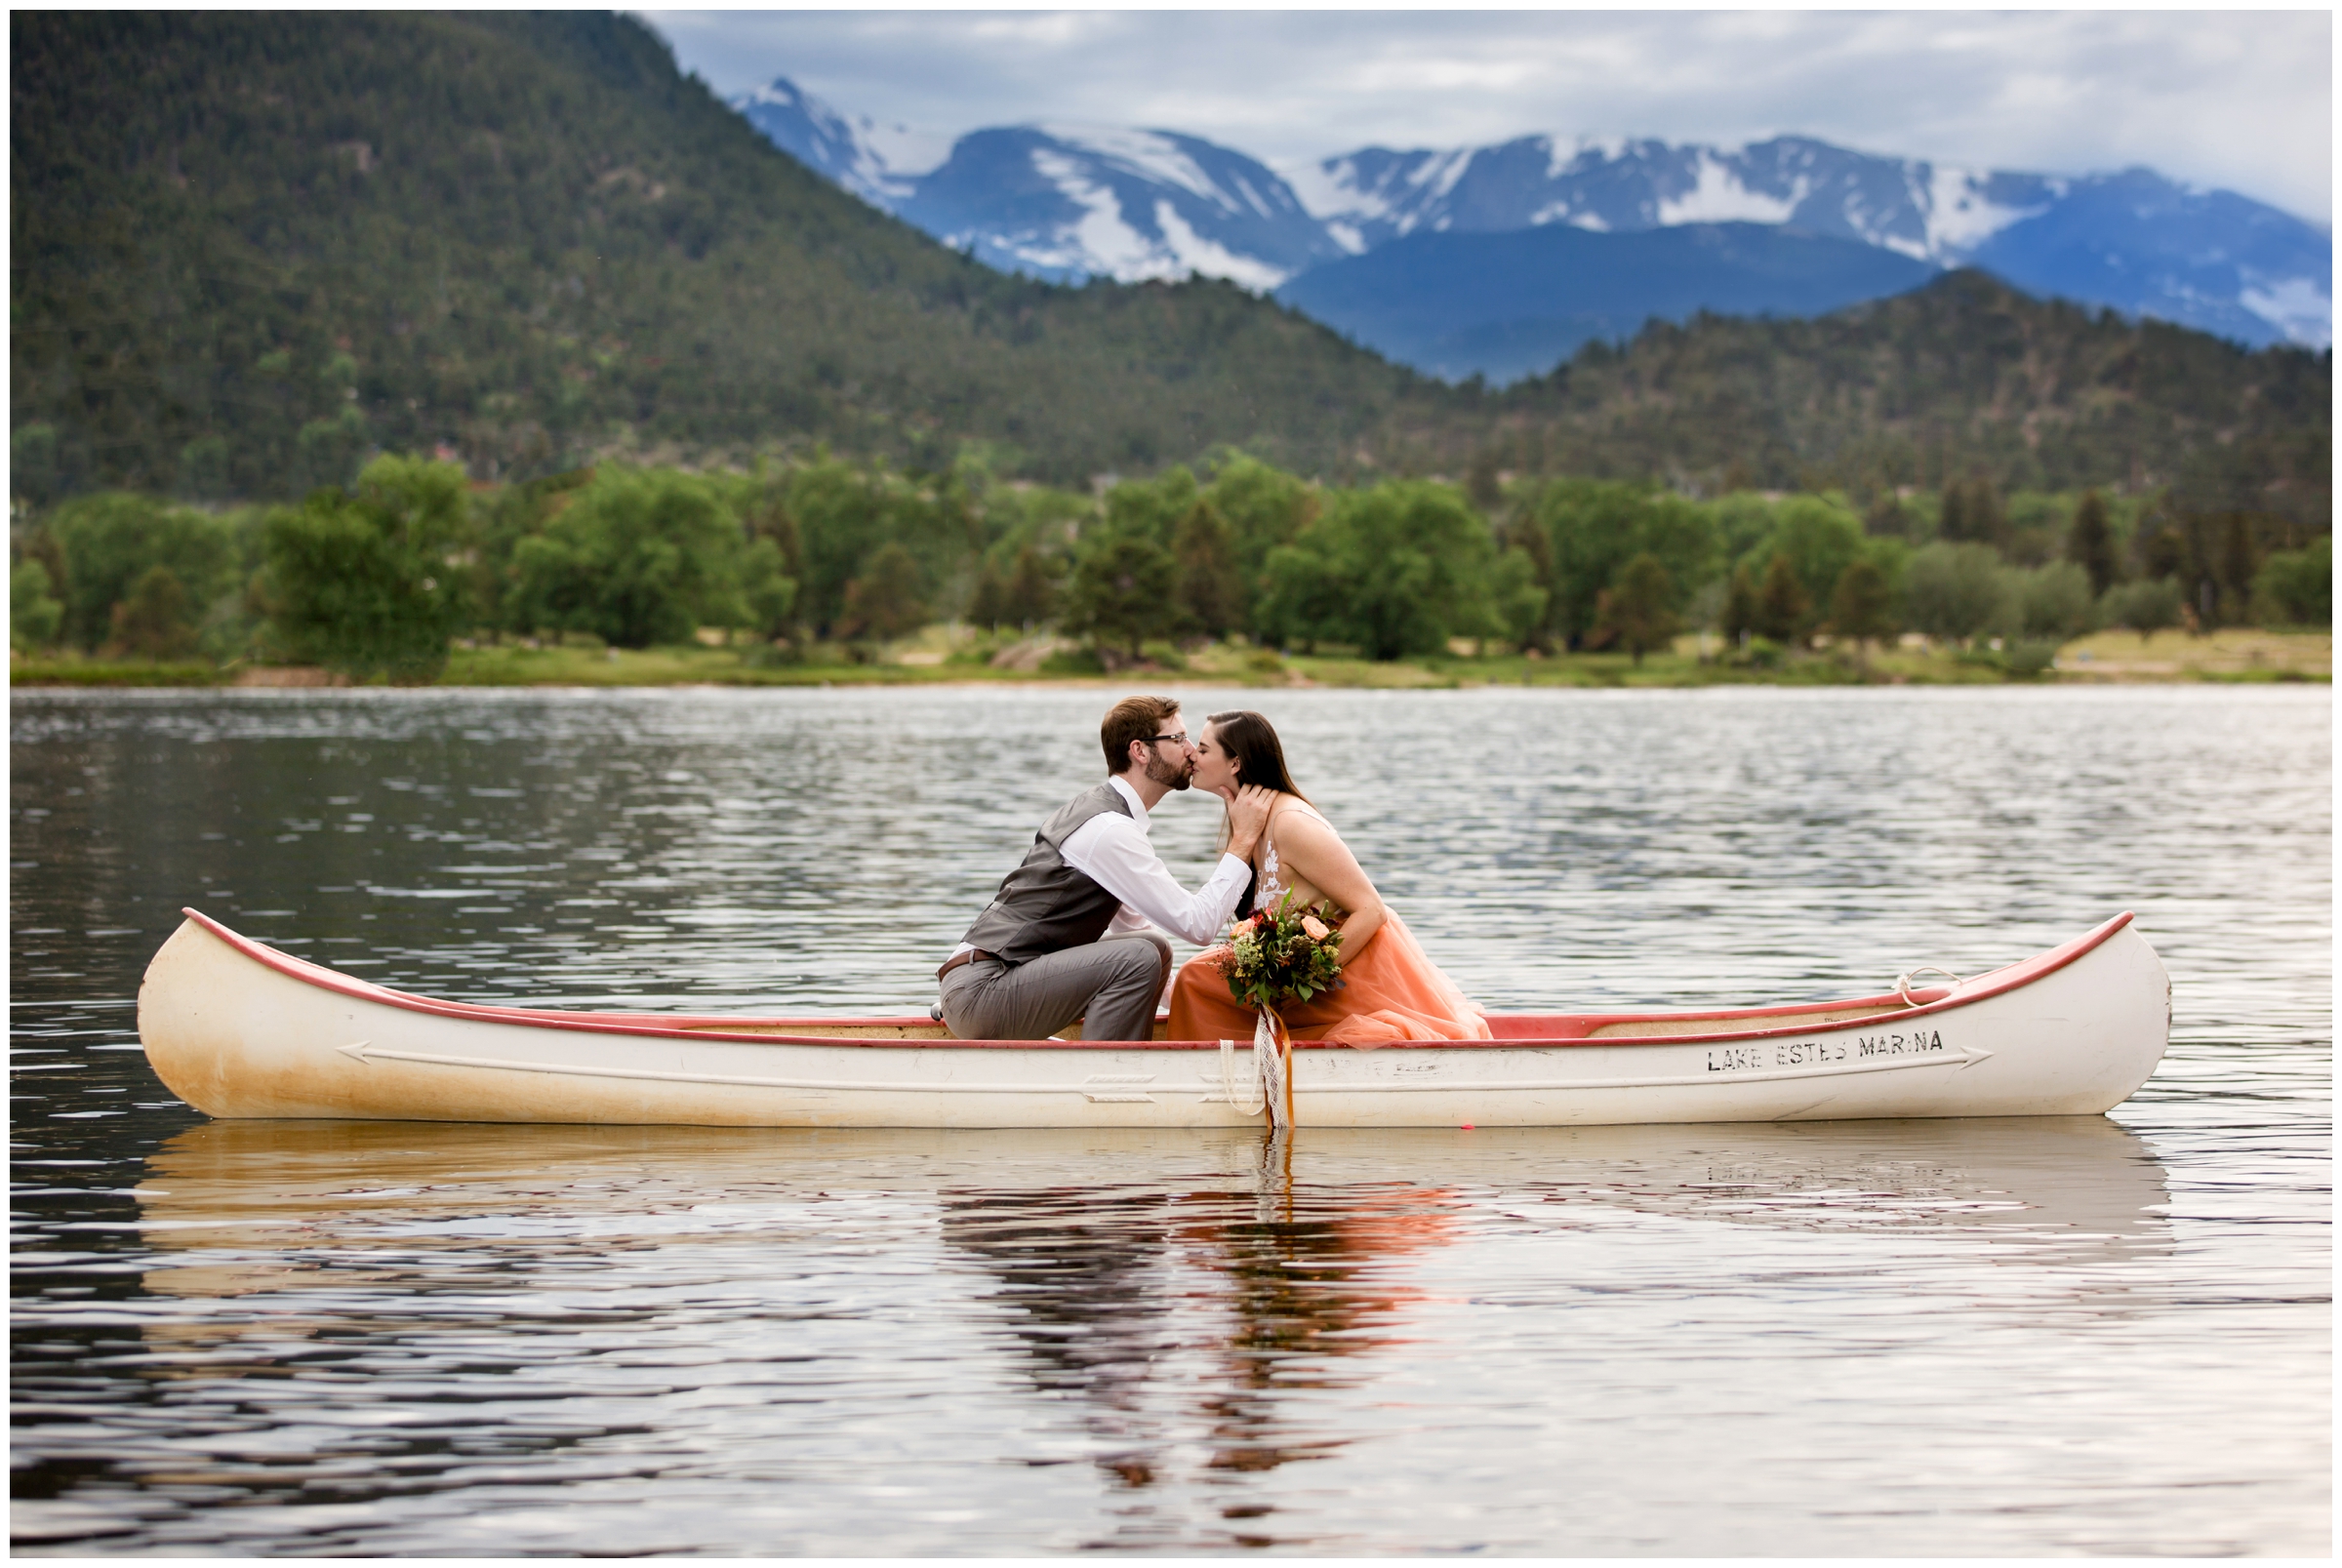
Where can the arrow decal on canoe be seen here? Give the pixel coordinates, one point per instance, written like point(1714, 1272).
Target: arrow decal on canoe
point(1139, 1088)
point(370, 1055)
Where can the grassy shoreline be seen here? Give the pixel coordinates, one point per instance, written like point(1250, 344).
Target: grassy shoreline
point(2239, 655)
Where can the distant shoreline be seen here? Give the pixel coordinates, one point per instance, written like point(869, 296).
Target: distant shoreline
point(2236, 655)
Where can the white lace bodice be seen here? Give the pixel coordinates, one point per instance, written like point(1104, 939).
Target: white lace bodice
point(1271, 887)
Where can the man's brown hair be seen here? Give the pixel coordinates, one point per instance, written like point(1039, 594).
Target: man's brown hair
point(1134, 718)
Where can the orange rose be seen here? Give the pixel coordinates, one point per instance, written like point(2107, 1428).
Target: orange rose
point(1317, 929)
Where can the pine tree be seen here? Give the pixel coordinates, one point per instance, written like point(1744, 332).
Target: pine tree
point(1639, 606)
point(1031, 596)
point(885, 601)
point(1483, 483)
point(1972, 513)
point(2240, 560)
point(1862, 607)
point(2161, 550)
point(1123, 590)
point(1951, 517)
point(2092, 544)
point(1781, 603)
point(1530, 537)
point(156, 621)
point(1211, 590)
point(1740, 615)
point(990, 605)
point(1988, 518)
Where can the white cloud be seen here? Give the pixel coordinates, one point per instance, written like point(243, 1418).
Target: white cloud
point(2237, 100)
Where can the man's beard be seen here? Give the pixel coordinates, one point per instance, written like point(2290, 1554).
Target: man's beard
point(1170, 774)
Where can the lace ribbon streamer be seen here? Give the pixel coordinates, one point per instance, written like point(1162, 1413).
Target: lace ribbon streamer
point(1272, 1060)
point(1272, 1073)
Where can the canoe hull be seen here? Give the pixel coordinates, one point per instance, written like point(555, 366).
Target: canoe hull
point(239, 1031)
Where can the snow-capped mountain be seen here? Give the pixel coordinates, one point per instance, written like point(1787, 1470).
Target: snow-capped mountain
point(1068, 201)
point(2134, 240)
point(1074, 201)
point(879, 163)
point(1618, 186)
point(1063, 202)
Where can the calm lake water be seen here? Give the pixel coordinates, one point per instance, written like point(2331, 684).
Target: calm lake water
point(2055, 1336)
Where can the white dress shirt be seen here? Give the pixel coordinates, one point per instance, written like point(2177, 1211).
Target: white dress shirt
point(1112, 851)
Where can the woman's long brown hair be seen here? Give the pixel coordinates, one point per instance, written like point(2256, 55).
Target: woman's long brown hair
point(1251, 744)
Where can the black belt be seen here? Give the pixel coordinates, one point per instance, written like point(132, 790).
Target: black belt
point(968, 957)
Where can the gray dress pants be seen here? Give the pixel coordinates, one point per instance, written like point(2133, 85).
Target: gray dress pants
point(1111, 985)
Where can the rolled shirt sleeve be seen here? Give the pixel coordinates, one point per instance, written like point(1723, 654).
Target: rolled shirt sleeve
point(1112, 851)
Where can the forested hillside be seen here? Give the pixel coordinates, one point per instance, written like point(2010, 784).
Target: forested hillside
point(252, 249)
point(1965, 376)
point(249, 246)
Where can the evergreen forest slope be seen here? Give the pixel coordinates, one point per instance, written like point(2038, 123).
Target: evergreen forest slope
point(249, 245)
point(1964, 375)
point(249, 248)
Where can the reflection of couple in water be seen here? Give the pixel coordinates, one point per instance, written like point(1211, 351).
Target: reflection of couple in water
point(1075, 932)
point(1104, 1295)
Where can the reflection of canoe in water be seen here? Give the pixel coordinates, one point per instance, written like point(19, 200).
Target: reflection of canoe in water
point(234, 1207)
point(237, 1028)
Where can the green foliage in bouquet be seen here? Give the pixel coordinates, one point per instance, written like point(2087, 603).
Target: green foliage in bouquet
point(1283, 955)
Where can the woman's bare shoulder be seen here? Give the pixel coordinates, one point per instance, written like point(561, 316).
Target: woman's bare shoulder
point(1294, 816)
point(1294, 809)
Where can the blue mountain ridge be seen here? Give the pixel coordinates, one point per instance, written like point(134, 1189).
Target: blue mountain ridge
point(1505, 292)
point(1614, 185)
point(2212, 259)
point(1511, 304)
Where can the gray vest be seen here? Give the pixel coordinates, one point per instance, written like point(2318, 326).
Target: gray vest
point(1045, 905)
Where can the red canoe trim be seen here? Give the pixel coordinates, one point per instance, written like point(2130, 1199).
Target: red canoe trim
point(1569, 1029)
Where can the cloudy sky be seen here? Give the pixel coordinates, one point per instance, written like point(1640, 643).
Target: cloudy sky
point(2239, 100)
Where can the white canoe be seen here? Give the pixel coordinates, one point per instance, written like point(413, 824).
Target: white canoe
point(237, 1028)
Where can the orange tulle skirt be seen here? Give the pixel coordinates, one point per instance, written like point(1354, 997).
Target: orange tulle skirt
point(1390, 992)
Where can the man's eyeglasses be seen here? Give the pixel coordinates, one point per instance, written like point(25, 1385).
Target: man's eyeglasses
point(1180, 739)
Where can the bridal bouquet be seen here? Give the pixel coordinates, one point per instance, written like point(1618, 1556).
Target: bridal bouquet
point(1282, 955)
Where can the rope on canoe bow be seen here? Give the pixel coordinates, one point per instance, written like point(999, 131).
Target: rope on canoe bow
point(1904, 979)
point(1228, 1082)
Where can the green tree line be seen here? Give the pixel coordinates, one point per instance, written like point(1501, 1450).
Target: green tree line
point(376, 578)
